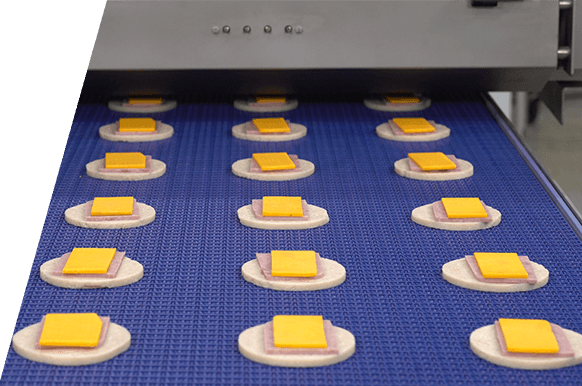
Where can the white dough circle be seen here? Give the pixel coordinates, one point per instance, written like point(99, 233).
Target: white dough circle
point(163, 131)
point(160, 108)
point(251, 346)
point(484, 344)
point(117, 341)
point(380, 104)
point(297, 131)
point(385, 131)
point(242, 167)
point(402, 168)
point(244, 105)
point(317, 217)
point(425, 216)
point(129, 272)
point(76, 216)
point(457, 272)
point(335, 274)
point(158, 170)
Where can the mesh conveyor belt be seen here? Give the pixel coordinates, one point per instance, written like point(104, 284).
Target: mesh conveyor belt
point(411, 326)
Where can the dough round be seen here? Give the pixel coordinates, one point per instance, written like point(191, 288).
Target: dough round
point(24, 341)
point(251, 346)
point(402, 168)
point(243, 104)
point(158, 170)
point(108, 132)
point(317, 217)
point(484, 344)
point(76, 216)
point(380, 104)
point(384, 131)
point(335, 274)
point(241, 168)
point(129, 272)
point(457, 272)
point(425, 216)
point(164, 106)
point(297, 131)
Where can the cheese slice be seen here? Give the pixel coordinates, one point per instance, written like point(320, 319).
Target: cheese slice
point(278, 206)
point(263, 99)
point(112, 206)
point(271, 125)
point(293, 263)
point(529, 336)
point(500, 265)
point(464, 208)
point(413, 125)
point(89, 260)
point(137, 125)
point(71, 330)
point(299, 331)
point(401, 98)
point(145, 101)
point(273, 161)
point(432, 161)
point(125, 161)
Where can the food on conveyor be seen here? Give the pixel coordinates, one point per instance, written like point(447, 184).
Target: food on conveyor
point(412, 130)
point(110, 213)
point(273, 167)
point(527, 344)
point(276, 212)
point(297, 341)
point(143, 105)
point(433, 167)
point(126, 167)
point(71, 340)
point(91, 268)
point(293, 271)
point(266, 104)
point(397, 102)
point(269, 130)
point(496, 272)
point(457, 214)
point(136, 130)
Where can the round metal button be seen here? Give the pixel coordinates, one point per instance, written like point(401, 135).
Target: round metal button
point(247, 29)
point(226, 29)
point(288, 29)
point(267, 29)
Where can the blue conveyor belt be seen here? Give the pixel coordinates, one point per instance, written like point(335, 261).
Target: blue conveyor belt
point(411, 327)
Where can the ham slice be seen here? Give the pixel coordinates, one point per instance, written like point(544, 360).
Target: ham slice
point(264, 260)
point(106, 320)
point(255, 168)
point(397, 131)
point(250, 128)
point(147, 169)
point(440, 214)
point(565, 349)
point(531, 279)
point(111, 272)
point(117, 132)
point(257, 207)
point(332, 345)
point(134, 216)
point(415, 168)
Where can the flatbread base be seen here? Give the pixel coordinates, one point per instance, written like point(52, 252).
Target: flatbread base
point(379, 104)
point(24, 341)
point(129, 272)
point(297, 131)
point(164, 106)
point(317, 217)
point(457, 272)
point(76, 216)
point(243, 105)
point(402, 168)
point(251, 346)
point(385, 131)
point(241, 168)
point(164, 131)
point(335, 274)
point(425, 216)
point(158, 170)
point(484, 344)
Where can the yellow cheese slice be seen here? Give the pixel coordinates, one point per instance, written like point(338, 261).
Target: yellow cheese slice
point(464, 207)
point(299, 331)
point(263, 99)
point(112, 206)
point(125, 161)
point(432, 161)
point(143, 101)
point(71, 330)
point(273, 161)
point(529, 336)
point(500, 265)
point(278, 206)
point(413, 125)
point(137, 125)
point(293, 263)
point(271, 125)
point(401, 98)
point(89, 260)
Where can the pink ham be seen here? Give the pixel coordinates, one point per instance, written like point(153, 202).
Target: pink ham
point(250, 128)
point(440, 214)
point(264, 260)
point(565, 349)
point(111, 272)
point(257, 206)
point(140, 105)
point(88, 217)
point(117, 132)
point(332, 345)
point(266, 106)
point(397, 131)
point(106, 320)
point(147, 169)
point(255, 168)
point(531, 275)
point(415, 168)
